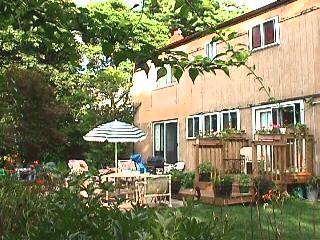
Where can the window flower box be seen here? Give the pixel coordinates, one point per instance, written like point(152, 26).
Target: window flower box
point(209, 142)
point(269, 137)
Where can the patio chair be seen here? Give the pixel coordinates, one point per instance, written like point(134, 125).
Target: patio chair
point(140, 165)
point(156, 187)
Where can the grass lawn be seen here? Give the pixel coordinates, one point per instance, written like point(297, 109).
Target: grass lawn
point(294, 219)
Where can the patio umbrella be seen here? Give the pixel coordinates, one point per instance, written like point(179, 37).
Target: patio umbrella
point(115, 131)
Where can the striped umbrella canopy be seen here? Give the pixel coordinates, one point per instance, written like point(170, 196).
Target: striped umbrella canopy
point(115, 131)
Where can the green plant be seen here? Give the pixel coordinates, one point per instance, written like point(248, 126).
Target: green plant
point(314, 182)
point(263, 185)
point(244, 180)
point(187, 179)
point(176, 175)
point(223, 180)
point(205, 167)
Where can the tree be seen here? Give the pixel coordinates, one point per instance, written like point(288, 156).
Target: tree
point(33, 116)
point(212, 11)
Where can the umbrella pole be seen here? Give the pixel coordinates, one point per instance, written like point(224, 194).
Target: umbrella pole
point(116, 156)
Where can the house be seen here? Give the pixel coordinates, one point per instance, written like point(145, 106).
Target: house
point(284, 40)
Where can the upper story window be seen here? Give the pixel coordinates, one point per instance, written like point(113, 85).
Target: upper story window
point(230, 119)
point(168, 79)
point(210, 50)
point(264, 34)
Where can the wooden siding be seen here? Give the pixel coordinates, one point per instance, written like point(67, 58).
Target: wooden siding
point(289, 69)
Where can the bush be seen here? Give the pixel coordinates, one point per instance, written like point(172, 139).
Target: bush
point(205, 167)
point(32, 212)
point(187, 179)
point(263, 185)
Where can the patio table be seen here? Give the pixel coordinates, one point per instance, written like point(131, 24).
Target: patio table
point(129, 178)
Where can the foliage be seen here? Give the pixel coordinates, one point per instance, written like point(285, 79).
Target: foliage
point(27, 213)
point(187, 179)
point(314, 182)
point(244, 180)
point(212, 11)
point(176, 175)
point(205, 167)
point(223, 180)
point(33, 116)
point(263, 185)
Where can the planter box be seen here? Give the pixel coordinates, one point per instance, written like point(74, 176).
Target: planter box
point(209, 142)
point(222, 191)
point(175, 187)
point(270, 137)
point(205, 177)
point(236, 136)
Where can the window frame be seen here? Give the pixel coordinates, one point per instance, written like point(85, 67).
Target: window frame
point(164, 137)
point(278, 106)
point(210, 120)
point(200, 116)
point(213, 47)
point(237, 111)
point(172, 80)
point(276, 20)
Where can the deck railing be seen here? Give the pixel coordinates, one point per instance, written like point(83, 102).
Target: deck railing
point(283, 157)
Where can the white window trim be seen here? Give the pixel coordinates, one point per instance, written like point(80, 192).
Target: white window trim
point(270, 106)
point(201, 120)
point(164, 136)
point(214, 49)
point(230, 111)
point(211, 114)
point(277, 34)
point(167, 84)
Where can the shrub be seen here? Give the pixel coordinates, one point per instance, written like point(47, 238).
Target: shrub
point(263, 185)
point(187, 180)
point(205, 167)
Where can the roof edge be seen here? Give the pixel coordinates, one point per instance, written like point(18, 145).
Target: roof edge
point(231, 22)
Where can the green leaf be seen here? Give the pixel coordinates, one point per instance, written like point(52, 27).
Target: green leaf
point(193, 73)
point(225, 69)
point(232, 35)
point(216, 38)
point(177, 72)
point(179, 4)
point(107, 48)
point(162, 71)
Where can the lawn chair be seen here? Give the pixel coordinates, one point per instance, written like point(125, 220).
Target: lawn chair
point(156, 187)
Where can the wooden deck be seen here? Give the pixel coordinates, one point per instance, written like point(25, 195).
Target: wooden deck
point(208, 197)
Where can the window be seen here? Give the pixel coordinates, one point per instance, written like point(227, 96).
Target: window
point(210, 50)
point(168, 79)
point(278, 114)
point(264, 34)
point(193, 126)
point(211, 122)
point(230, 119)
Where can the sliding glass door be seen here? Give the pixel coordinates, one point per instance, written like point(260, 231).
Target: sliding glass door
point(165, 140)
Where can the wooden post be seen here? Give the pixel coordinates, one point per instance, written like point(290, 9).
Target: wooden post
point(196, 162)
point(254, 160)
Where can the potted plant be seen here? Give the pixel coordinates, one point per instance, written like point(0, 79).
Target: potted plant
point(176, 179)
point(244, 183)
point(205, 170)
point(313, 188)
point(223, 186)
point(187, 179)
